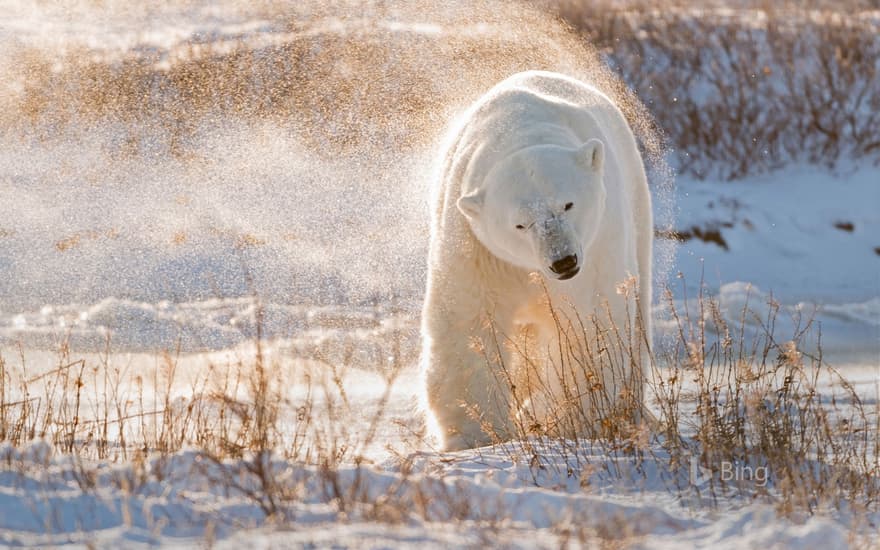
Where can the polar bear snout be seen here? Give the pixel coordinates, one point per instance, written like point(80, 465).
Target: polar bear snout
point(556, 243)
point(565, 268)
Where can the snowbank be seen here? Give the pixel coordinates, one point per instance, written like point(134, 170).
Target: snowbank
point(489, 496)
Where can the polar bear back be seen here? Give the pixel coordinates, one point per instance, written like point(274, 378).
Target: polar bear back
point(532, 107)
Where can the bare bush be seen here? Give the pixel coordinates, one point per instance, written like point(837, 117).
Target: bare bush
point(747, 90)
point(737, 90)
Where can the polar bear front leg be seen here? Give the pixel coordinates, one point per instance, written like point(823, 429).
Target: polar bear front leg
point(465, 392)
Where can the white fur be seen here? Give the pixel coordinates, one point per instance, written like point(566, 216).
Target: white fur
point(533, 144)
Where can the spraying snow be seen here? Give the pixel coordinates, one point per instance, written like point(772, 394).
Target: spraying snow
point(200, 152)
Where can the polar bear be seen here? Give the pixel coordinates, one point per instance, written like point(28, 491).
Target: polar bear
point(542, 199)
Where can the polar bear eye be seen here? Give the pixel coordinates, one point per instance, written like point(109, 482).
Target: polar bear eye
point(569, 206)
point(520, 226)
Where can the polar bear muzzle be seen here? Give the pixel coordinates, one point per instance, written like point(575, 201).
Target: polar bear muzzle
point(566, 267)
point(557, 248)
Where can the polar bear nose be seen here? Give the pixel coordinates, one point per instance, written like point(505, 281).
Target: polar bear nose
point(566, 267)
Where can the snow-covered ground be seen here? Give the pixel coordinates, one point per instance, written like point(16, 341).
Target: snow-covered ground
point(805, 236)
point(496, 497)
point(142, 255)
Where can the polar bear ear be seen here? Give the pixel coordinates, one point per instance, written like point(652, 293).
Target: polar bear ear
point(592, 155)
point(470, 205)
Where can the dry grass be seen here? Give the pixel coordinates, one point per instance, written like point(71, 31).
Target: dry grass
point(772, 401)
point(731, 397)
point(240, 417)
point(750, 89)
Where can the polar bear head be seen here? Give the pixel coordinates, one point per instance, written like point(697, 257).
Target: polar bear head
point(541, 207)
